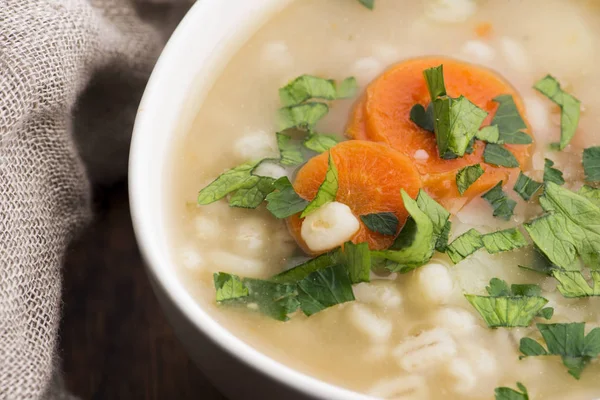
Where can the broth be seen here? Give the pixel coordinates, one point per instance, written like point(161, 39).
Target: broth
point(357, 345)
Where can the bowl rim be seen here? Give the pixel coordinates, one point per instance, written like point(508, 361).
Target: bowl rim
point(147, 213)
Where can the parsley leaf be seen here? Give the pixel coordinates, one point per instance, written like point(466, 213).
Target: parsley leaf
point(591, 194)
point(591, 164)
point(327, 191)
point(467, 176)
point(229, 181)
point(273, 299)
point(505, 240)
point(498, 155)
point(455, 121)
point(307, 87)
point(422, 117)
point(573, 283)
point(302, 116)
point(570, 107)
point(370, 4)
point(415, 244)
point(506, 307)
point(509, 121)
point(489, 134)
point(464, 245)
point(567, 341)
point(290, 151)
point(358, 260)
point(439, 217)
point(526, 187)
point(570, 228)
point(253, 192)
point(552, 174)
point(385, 223)
point(324, 288)
point(304, 269)
point(506, 393)
point(320, 143)
point(503, 206)
point(284, 201)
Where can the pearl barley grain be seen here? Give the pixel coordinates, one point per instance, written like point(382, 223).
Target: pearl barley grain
point(435, 283)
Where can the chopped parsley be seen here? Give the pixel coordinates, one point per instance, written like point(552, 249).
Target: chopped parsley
point(358, 260)
point(591, 164)
point(284, 201)
point(506, 393)
point(574, 284)
point(464, 245)
point(509, 121)
point(455, 121)
point(508, 307)
point(570, 228)
point(567, 341)
point(370, 4)
point(324, 288)
point(505, 240)
point(526, 187)
point(306, 87)
point(253, 192)
point(232, 180)
point(570, 107)
point(302, 116)
point(385, 223)
point(467, 176)
point(319, 142)
point(498, 155)
point(304, 269)
point(503, 205)
point(552, 174)
point(327, 191)
point(290, 150)
point(439, 217)
point(489, 134)
point(422, 117)
point(591, 194)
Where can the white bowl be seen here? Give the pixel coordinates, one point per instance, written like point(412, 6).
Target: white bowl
point(205, 40)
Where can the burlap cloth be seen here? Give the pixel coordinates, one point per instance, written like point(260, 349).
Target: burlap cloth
point(71, 76)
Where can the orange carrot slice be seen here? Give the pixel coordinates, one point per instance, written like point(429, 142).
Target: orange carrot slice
point(370, 177)
point(382, 115)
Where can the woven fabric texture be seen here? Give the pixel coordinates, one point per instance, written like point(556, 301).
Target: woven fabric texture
point(71, 75)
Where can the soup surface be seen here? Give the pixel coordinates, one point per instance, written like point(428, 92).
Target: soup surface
point(410, 334)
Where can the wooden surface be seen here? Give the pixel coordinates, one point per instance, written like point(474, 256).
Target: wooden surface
point(115, 341)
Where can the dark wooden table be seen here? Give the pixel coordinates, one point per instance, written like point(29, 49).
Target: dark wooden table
point(115, 342)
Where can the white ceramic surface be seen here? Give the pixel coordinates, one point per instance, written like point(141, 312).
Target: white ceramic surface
point(208, 36)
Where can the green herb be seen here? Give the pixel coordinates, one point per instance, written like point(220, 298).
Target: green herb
point(358, 260)
point(291, 153)
point(505, 240)
point(441, 243)
point(508, 307)
point(302, 116)
point(591, 164)
point(506, 393)
point(540, 263)
point(415, 244)
point(439, 217)
point(552, 174)
point(229, 181)
point(467, 176)
point(327, 191)
point(498, 155)
point(526, 187)
point(590, 193)
point(320, 143)
point(308, 87)
point(509, 121)
point(546, 313)
point(385, 223)
point(489, 134)
point(422, 117)
point(253, 192)
point(455, 121)
point(573, 283)
point(464, 245)
point(284, 201)
point(503, 206)
point(567, 341)
point(570, 107)
point(304, 269)
point(324, 288)
point(273, 299)
point(370, 4)
point(570, 228)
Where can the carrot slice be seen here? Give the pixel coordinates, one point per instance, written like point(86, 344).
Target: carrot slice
point(370, 177)
point(382, 115)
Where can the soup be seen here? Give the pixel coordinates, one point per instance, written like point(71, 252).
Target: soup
point(446, 247)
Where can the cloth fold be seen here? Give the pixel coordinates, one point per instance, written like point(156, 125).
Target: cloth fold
point(71, 75)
